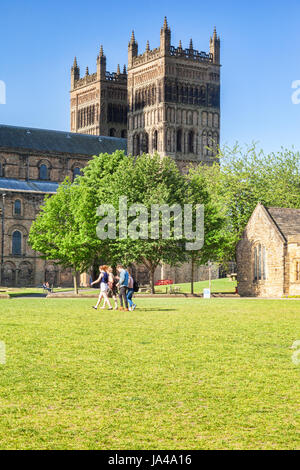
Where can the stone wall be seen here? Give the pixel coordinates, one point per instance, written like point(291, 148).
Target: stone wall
point(261, 230)
point(183, 273)
point(23, 166)
point(26, 268)
point(292, 279)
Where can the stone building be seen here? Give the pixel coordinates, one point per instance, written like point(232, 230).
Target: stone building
point(174, 100)
point(268, 254)
point(99, 100)
point(172, 96)
point(32, 164)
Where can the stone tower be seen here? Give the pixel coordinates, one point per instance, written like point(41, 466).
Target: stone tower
point(174, 100)
point(99, 100)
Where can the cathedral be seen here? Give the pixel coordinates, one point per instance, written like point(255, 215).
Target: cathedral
point(167, 100)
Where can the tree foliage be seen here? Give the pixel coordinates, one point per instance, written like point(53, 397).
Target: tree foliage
point(245, 176)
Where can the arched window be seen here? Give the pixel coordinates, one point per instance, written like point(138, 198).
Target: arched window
point(136, 145)
point(112, 132)
point(179, 140)
point(16, 242)
point(76, 172)
point(191, 142)
point(124, 134)
point(145, 143)
point(17, 207)
point(43, 173)
point(155, 140)
point(260, 267)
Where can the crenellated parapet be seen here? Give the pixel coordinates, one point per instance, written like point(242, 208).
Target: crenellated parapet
point(86, 80)
point(191, 54)
point(147, 56)
point(167, 50)
point(100, 74)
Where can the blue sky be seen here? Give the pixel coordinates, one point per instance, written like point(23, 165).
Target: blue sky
point(259, 55)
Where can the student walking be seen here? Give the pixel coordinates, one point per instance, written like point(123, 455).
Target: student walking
point(123, 284)
point(112, 286)
point(103, 279)
point(130, 292)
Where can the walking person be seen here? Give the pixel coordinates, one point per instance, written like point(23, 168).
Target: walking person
point(112, 286)
point(123, 284)
point(130, 291)
point(103, 279)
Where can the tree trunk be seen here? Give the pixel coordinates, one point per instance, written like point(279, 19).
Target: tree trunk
point(192, 276)
point(75, 283)
point(152, 280)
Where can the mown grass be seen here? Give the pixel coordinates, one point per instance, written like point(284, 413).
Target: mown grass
point(217, 285)
point(173, 374)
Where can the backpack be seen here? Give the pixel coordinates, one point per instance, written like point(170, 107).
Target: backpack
point(135, 286)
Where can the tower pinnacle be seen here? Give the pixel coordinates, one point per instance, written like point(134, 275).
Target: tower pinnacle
point(132, 39)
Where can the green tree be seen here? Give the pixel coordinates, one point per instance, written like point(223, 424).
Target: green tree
point(144, 180)
point(55, 233)
point(215, 241)
point(245, 176)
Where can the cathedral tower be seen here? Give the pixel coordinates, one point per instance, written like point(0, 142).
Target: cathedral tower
point(99, 100)
point(174, 100)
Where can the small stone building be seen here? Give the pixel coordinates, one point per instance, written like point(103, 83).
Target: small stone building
point(268, 255)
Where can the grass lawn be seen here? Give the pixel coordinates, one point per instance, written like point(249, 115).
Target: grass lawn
point(173, 374)
point(217, 285)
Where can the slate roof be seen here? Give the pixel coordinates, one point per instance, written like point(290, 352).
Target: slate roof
point(44, 140)
point(287, 220)
point(36, 186)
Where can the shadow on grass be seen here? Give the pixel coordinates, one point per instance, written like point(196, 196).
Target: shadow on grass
point(141, 309)
point(15, 295)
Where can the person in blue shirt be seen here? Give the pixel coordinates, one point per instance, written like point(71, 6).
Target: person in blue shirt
point(123, 284)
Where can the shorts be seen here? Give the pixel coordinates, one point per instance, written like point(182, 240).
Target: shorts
point(103, 287)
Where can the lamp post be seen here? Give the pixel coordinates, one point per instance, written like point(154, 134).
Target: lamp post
point(2, 236)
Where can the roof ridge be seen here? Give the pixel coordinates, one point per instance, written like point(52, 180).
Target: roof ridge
point(61, 132)
point(274, 222)
point(284, 208)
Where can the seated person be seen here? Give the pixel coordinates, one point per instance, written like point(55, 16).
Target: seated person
point(46, 286)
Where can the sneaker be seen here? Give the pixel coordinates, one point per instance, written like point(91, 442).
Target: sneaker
point(94, 307)
point(130, 309)
point(134, 306)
